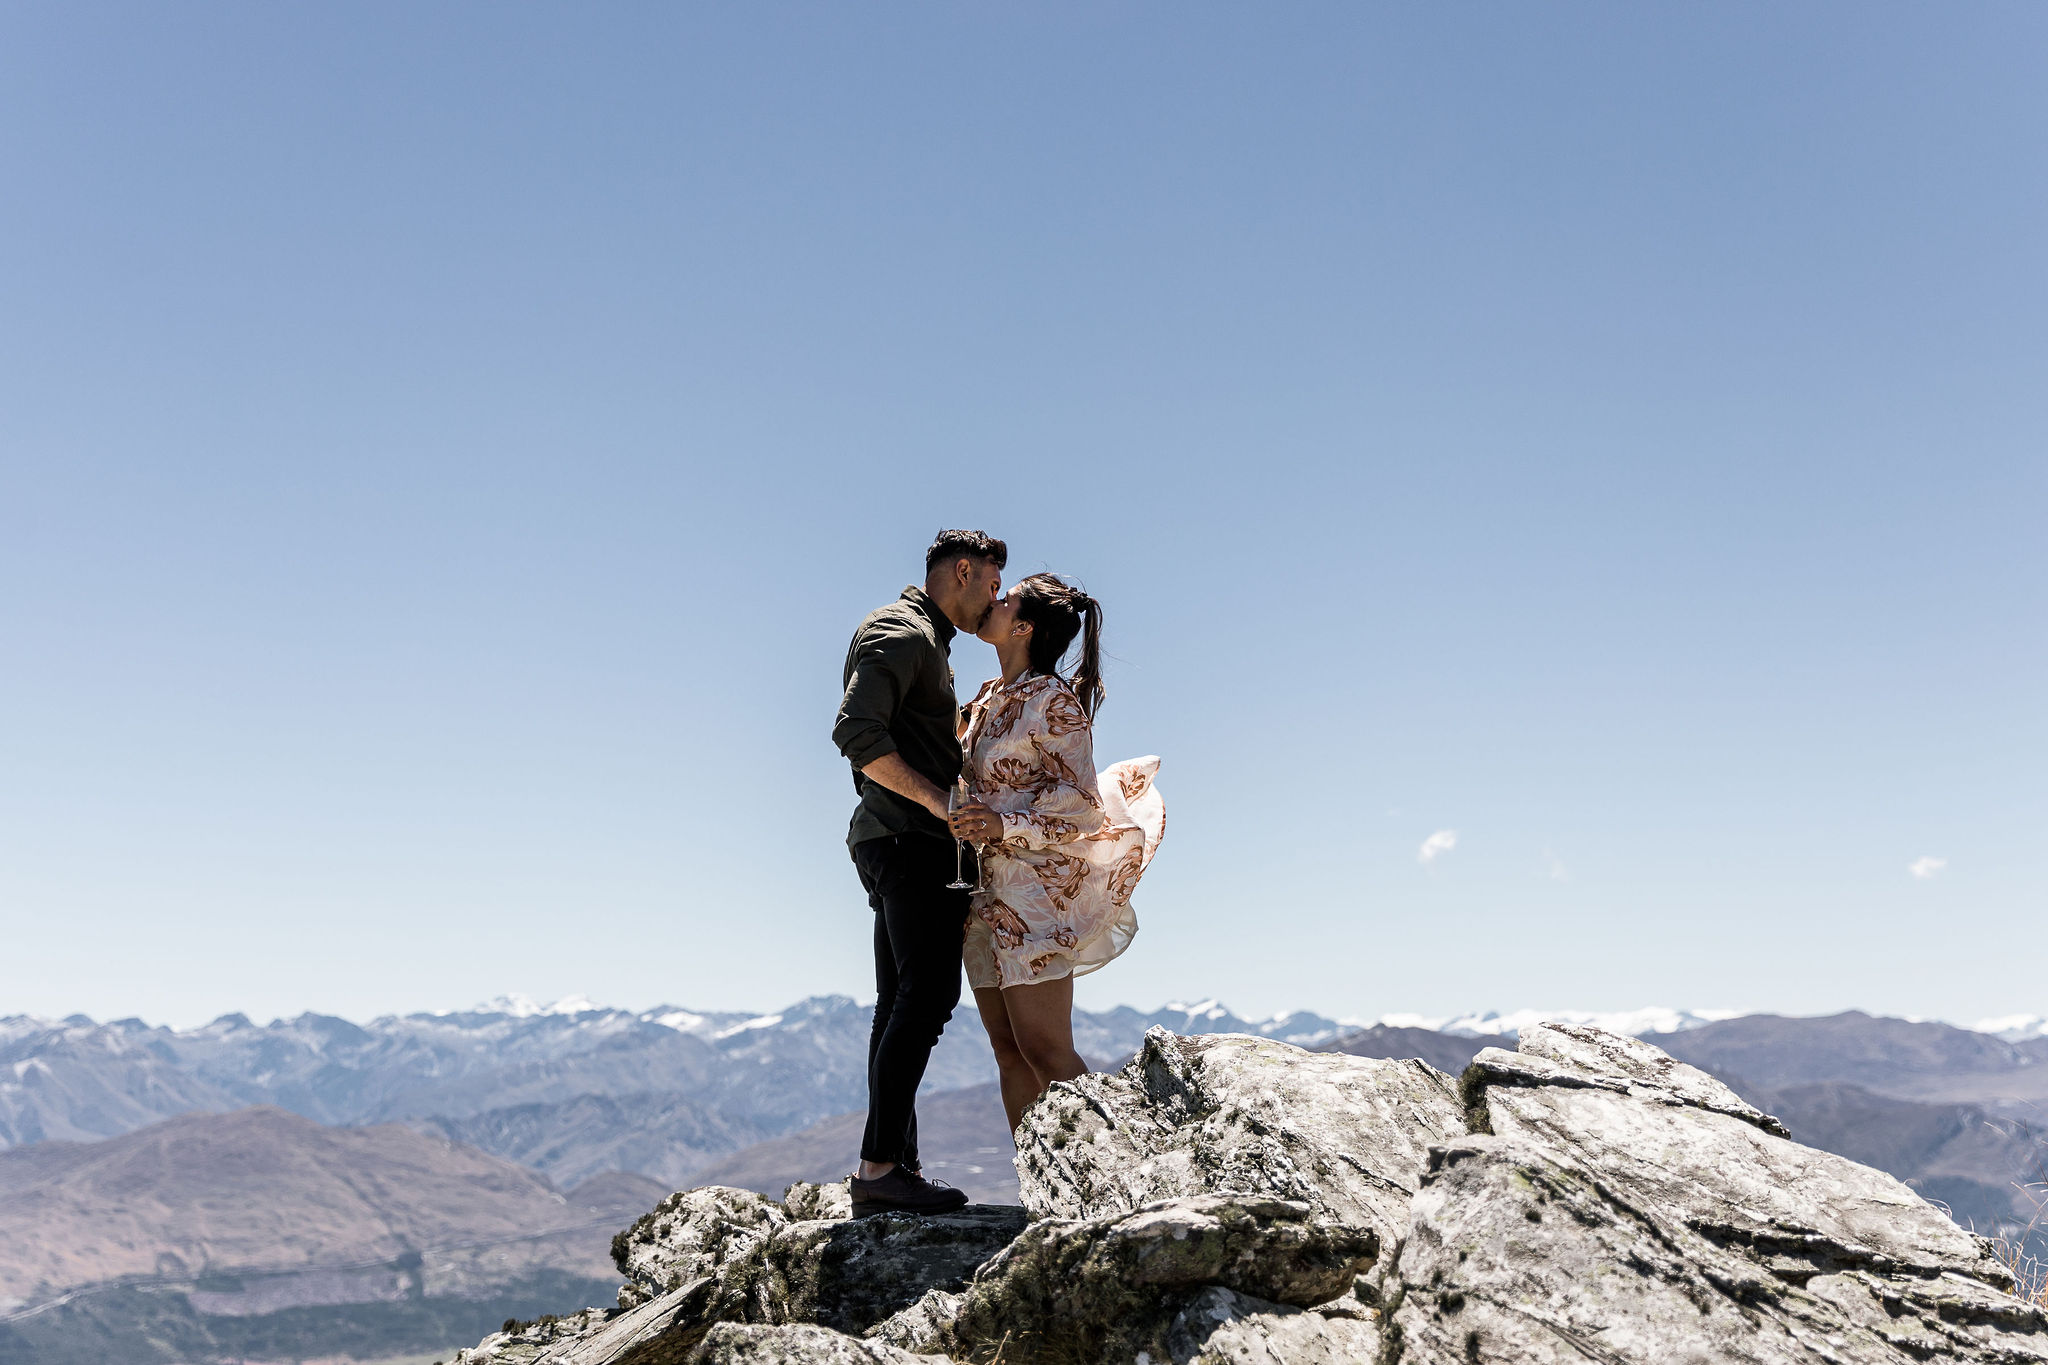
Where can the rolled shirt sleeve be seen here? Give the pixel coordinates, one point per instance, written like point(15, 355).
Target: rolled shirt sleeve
point(885, 662)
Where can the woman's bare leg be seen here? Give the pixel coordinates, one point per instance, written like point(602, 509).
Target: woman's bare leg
point(1020, 1083)
point(1042, 1025)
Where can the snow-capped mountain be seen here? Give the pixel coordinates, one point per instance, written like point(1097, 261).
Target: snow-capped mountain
point(573, 1088)
point(570, 1086)
point(1651, 1019)
point(1114, 1034)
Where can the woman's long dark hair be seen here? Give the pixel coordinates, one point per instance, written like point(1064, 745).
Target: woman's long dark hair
point(1057, 613)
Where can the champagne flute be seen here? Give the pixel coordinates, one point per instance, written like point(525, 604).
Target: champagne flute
point(979, 863)
point(955, 799)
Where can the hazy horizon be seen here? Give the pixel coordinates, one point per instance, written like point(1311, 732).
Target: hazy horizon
point(1456, 1021)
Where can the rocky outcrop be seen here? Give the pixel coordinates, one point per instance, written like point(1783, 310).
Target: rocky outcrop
point(1347, 1136)
point(851, 1275)
point(1231, 1199)
point(1614, 1204)
point(1126, 1285)
point(692, 1234)
point(714, 1255)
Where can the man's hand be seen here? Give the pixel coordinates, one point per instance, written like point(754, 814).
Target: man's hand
point(907, 782)
point(977, 824)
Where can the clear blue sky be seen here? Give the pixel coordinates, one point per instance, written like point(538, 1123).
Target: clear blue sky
point(443, 451)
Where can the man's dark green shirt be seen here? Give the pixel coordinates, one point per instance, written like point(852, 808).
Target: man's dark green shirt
point(899, 699)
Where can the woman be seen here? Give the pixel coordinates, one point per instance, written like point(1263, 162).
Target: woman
point(1061, 851)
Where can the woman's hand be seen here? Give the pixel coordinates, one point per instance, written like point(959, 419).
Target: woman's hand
point(977, 824)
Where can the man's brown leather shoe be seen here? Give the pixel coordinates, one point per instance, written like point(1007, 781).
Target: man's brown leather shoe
point(902, 1191)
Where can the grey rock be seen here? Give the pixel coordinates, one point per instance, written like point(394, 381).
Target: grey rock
point(729, 1344)
point(1112, 1287)
point(718, 1255)
point(1619, 1206)
point(692, 1234)
point(1722, 1175)
point(1980, 1166)
point(852, 1274)
point(1519, 1253)
point(1222, 1327)
point(1570, 1055)
point(920, 1327)
point(640, 1337)
point(531, 1342)
point(805, 1202)
point(1347, 1136)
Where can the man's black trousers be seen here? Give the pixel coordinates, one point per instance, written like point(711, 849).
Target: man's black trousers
point(919, 924)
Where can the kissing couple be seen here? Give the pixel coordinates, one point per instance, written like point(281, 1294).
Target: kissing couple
point(1058, 847)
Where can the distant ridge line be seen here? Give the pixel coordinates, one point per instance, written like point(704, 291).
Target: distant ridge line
point(1647, 1020)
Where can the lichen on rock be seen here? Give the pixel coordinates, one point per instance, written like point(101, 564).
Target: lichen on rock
point(693, 1233)
point(804, 1202)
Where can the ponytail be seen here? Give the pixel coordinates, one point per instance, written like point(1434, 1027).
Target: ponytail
point(1088, 672)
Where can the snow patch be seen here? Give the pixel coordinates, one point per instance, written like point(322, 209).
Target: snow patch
point(2014, 1028)
point(519, 1006)
point(764, 1021)
point(18, 1026)
point(1493, 1024)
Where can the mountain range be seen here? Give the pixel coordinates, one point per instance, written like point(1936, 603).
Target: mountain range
point(570, 1090)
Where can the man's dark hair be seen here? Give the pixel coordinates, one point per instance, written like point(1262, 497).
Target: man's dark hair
point(961, 544)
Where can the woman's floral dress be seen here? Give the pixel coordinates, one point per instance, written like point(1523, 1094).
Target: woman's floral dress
point(1058, 897)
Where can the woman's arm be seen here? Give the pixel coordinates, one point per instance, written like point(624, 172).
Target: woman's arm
point(967, 711)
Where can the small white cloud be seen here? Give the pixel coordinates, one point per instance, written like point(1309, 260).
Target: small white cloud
point(1925, 867)
point(1554, 868)
point(1441, 842)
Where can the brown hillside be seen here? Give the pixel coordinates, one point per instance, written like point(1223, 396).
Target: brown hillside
point(261, 1189)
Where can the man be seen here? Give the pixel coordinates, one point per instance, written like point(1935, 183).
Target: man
point(899, 728)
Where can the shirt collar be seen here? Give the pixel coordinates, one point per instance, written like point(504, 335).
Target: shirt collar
point(922, 600)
